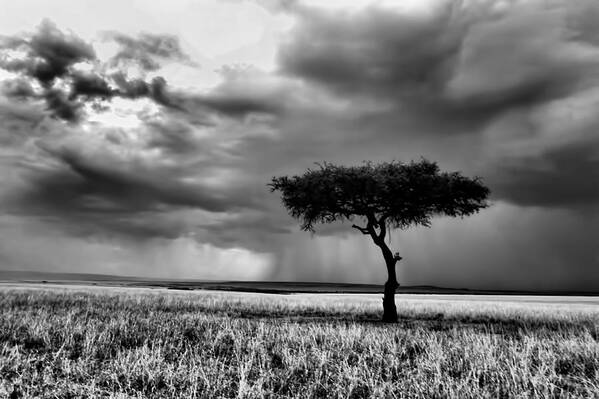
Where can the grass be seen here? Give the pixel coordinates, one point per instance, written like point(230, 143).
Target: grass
point(121, 343)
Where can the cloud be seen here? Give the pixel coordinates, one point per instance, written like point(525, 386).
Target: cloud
point(45, 56)
point(175, 174)
point(29, 244)
point(19, 89)
point(156, 90)
point(62, 107)
point(172, 136)
point(90, 85)
point(462, 57)
point(125, 186)
point(504, 90)
point(97, 178)
point(148, 51)
point(169, 177)
point(564, 176)
point(48, 53)
point(463, 69)
point(53, 60)
point(244, 91)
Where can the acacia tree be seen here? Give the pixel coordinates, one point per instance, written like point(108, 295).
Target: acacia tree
point(383, 196)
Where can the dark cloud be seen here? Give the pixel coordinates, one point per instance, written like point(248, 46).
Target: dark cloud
point(504, 90)
point(236, 106)
point(156, 90)
point(376, 53)
point(243, 92)
point(129, 183)
point(458, 70)
point(159, 92)
point(246, 90)
point(49, 53)
point(469, 59)
point(564, 177)
point(90, 85)
point(103, 184)
point(130, 88)
point(100, 193)
point(62, 107)
point(45, 56)
point(148, 51)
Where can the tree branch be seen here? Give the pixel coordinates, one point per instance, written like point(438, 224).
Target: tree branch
point(372, 219)
point(363, 230)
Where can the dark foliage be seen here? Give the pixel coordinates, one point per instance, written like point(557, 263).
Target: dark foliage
point(393, 193)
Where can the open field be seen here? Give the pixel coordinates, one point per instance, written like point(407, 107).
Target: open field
point(76, 341)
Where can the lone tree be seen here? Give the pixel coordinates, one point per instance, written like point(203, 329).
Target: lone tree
point(383, 196)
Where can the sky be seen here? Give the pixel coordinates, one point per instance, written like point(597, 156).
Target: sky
point(137, 138)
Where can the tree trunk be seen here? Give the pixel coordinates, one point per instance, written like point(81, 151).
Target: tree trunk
point(389, 308)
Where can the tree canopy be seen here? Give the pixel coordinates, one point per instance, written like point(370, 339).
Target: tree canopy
point(388, 195)
point(393, 194)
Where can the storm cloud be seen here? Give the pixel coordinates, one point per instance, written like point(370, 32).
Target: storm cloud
point(48, 54)
point(111, 156)
point(53, 59)
point(466, 68)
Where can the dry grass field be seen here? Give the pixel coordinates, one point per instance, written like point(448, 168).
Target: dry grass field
point(72, 342)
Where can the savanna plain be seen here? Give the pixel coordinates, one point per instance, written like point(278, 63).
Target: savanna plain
point(72, 342)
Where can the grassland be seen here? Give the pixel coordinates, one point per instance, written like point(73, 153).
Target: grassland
point(78, 342)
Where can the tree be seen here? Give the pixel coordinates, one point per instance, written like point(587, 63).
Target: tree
point(383, 196)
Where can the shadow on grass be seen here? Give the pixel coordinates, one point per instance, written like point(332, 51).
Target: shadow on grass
point(436, 322)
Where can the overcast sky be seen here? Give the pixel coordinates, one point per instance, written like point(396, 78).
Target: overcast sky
point(137, 137)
